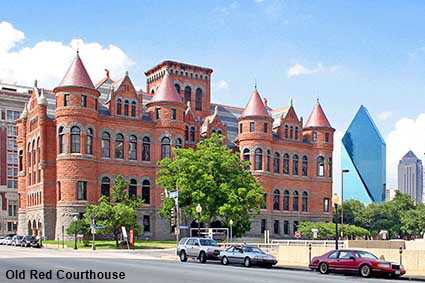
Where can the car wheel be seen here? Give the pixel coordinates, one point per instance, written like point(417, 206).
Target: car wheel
point(247, 262)
point(183, 256)
point(225, 260)
point(202, 257)
point(323, 268)
point(365, 271)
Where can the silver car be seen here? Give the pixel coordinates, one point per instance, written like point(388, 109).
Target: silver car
point(198, 248)
point(246, 255)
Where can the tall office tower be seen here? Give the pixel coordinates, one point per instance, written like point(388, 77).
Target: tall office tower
point(410, 176)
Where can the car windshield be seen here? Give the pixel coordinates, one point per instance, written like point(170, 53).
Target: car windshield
point(366, 255)
point(208, 242)
point(182, 241)
point(19, 237)
point(252, 250)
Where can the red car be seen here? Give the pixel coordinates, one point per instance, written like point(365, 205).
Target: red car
point(355, 261)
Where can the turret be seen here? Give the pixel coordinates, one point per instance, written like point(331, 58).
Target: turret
point(255, 127)
point(318, 130)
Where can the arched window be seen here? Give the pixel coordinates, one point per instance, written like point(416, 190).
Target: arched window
point(177, 86)
point(126, 105)
point(119, 106)
point(146, 149)
point(133, 109)
point(198, 100)
point(61, 140)
point(286, 163)
point(258, 159)
point(192, 134)
point(286, 131)
point(295, 165)
point(38, 150)
point(132, 149)
point(286, 200)
point(268, 160)
point(119, 146)
point(146, 192)
point(276, 200)
point(132, 189)
point(213, 131)
point(89, 145)
point(291, 132)
point(305, 166)
point(186, 133)
point(296, 133)
point(178, 143)
point(304, 206)
point(276, 163)
point(314, 136)
point(330, 166)
point(106, 145)
point(21, 160)
point(246, 154)
point(295, 198)
point(187, 94)
point(105, 187)
point(75, 139)
point(29, 155)
point(33, 151)
point(165, 148)
point(219, 132)
point(320, 166)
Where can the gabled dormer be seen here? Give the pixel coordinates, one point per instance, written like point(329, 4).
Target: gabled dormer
point(123, 100)
point(213, 124)
point(290, 127)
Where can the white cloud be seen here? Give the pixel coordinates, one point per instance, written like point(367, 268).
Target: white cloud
point(258, 1)
point(408, 134)
point(383, 116)
point(221, 85)
point(300, 70)
point(47, 61)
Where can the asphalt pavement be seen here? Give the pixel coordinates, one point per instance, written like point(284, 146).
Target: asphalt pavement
point(13, 261)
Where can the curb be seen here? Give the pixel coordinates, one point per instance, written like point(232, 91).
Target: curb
point(301, 268)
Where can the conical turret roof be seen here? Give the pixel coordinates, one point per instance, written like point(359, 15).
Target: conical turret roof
point(77, 75)
point(317, 118)
point(255, 106)
point(167, 91)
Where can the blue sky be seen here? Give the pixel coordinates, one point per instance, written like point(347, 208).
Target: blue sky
point(347, 53)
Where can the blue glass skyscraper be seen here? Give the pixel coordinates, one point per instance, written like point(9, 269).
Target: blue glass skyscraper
point(364, 154)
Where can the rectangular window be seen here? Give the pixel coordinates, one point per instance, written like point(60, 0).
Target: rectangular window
point(240, 128)
point(286, 227)
point(276, 227)
point(146, 223)
point(266, 127)
point(83, 100)
point(12, 115)
point(264, 205)
point(12, 131)
point(157, 113)
point(12, 158)
point(251, 126)
point(314, 137)
point(12, 183)
point(296, 223)
point(12, 208)
point(12, 171)
point(263, 225)
point(327, 137)
point(173, 114)
point(326, 205)
point(11, 144)
point(66, 100)
point(82, 190)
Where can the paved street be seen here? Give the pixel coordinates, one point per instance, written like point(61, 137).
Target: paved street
point(145, 267)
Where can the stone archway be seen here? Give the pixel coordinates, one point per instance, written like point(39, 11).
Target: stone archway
point(194, 225)
point(39, 228)
point(34, 228)
point(29, 227)
point(216, 224)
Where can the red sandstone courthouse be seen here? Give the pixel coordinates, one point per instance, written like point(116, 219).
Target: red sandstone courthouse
point(74, 140)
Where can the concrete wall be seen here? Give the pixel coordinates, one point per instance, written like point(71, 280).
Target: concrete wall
point(413, 260)
point(371, 244)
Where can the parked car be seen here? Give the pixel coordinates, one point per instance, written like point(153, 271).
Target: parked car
point(16, 240)
point(198, 248)
point(26, 241)
point(1, 240)
point(36, 243)
point(8, 240)
point(247, 255)
point(355, 261)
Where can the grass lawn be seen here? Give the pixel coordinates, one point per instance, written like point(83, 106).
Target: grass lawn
point(139, 244)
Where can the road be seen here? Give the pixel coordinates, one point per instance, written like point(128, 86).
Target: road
point(148, 268)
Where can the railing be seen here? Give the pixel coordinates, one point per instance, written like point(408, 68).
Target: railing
point(314, 243)
point(268, 248)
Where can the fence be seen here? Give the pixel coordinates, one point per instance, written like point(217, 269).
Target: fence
point(314, 243)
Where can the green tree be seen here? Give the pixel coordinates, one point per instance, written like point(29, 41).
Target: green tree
point(354, 213)
point(326, 231)
point(214, 177)
point(80, 226)
point(117, 211)
point(413, 221)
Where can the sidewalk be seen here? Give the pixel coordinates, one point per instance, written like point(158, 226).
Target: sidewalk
point(303, 268)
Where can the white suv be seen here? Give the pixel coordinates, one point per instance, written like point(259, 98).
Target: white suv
point(198, 248)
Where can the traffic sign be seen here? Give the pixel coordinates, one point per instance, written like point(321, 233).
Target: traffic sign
point(297, 234)
point(184, 227)
point(99, 227)
point(174, 194)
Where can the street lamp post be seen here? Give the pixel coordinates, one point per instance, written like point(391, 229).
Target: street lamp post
point(75, 234)
point(336, 201)
point(199, 210)
point(93, 246)
point(231, 234)
point(342, 201)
